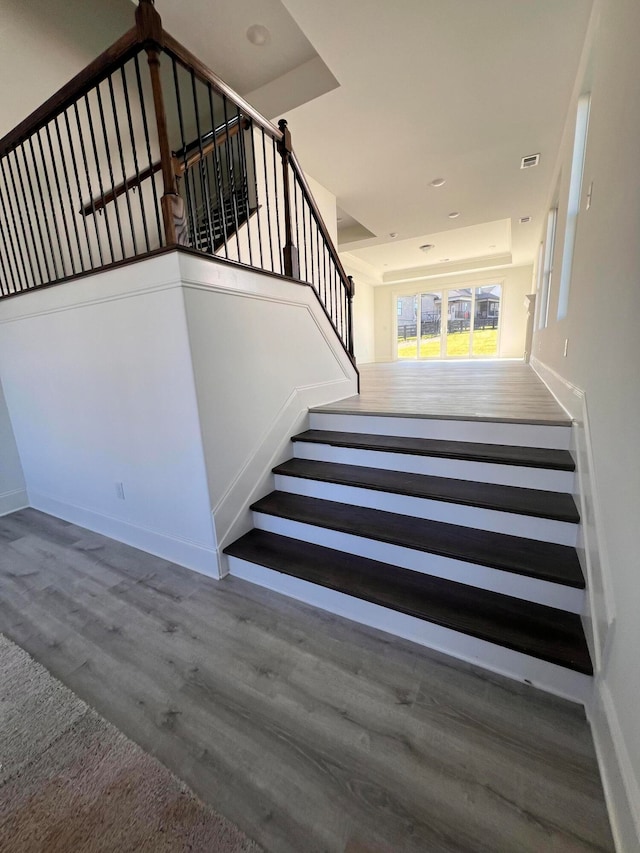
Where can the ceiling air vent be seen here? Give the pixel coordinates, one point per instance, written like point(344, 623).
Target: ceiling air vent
point(524, 220)
point(531, 160)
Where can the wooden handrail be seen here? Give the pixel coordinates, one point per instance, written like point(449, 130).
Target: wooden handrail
point(186, 58)
point(126, 46)
point(180, 166)
point(220, 138)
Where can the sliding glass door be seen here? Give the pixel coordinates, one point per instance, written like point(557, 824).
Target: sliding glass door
point(454, 323)
point(419, 327)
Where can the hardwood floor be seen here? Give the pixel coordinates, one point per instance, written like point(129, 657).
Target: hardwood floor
point(310, 732)
point(482, 390)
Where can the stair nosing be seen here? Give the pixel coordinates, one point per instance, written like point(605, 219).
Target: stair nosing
point(452, 499)
point(438, 416)
point(574, 583)
point(402, 576)
point(434, 452)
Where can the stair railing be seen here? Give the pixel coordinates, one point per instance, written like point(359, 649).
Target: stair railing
point(132, 158)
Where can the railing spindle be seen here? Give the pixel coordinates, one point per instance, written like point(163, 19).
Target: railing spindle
point(116, 124)
point(56, 178)
point(107, 149)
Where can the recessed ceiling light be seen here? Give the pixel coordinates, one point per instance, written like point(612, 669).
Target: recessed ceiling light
point(454, 214)
point(438, 182)
point(258, 35)
point(524, 220)
point(393, 235)
point(492, 246)
point(444, 260)
point(427, 247)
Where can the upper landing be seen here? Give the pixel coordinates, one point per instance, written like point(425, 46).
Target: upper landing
point(508, 391)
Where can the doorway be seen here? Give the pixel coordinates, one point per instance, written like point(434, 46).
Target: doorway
point(449, 323)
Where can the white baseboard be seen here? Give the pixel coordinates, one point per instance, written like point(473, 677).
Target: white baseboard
point(198, 556)
point(600, 612)
point(13, 501)
point(620, 783)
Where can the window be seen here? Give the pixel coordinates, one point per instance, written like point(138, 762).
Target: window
point(547, 276)
point(573, 204)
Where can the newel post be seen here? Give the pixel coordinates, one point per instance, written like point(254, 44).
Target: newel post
point(151, 35)
point(290, 252)
point(350, 294)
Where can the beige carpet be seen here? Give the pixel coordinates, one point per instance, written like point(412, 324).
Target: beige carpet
point(71, 782)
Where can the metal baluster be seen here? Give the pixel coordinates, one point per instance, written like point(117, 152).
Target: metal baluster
point(193, 224)
point(145, 127)
point(62, 204)
point(203, 168)
point(218, 174)
point(107, 148)
point(266, 190)
point(245, 183)
point(231, 171)
point(42, 203)
point(134, 151)
point(116, 123)
point(251, 133)
point(20, 206)
point(77, 177)
point(22, 274)
point(35, 216)
point(99, 172)
point(86, 169)
point(277, 193)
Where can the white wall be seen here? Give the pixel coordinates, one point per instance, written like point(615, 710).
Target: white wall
point(98, 380)
point(516, 283)
point(263, 353)
point(602, 363)
point(365, 280)
point(13, 493)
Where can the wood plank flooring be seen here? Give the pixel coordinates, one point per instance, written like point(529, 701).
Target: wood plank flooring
point(483, 390)
point(310, 732)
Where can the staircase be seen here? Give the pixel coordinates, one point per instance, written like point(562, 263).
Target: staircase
point(459, 535)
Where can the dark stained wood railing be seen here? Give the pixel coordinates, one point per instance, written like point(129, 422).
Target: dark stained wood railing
point(167, 156)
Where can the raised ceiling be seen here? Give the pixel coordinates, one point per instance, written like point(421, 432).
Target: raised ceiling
point(381, 98)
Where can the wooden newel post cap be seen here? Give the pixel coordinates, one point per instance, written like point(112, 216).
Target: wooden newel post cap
point(149, 24)
point(286, 136)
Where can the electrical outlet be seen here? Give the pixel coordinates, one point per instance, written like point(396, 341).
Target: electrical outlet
point(120, 491)
point(566, 346)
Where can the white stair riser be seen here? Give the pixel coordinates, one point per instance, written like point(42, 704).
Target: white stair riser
point(547, 676)
point(483, 432)
point(483, 577)
point(544, 479)
point(496, 521)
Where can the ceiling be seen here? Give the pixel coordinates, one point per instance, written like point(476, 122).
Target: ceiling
point(381, 98)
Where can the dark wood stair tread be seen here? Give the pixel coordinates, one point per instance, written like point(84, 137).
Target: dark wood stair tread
point(542, 560)
point(513, 499)
point(532, 629)
point(502, 454)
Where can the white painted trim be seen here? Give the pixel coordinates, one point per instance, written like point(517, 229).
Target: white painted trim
point(478, 518)
point(13, 501)
point(620, 783)
point(199, 556)
point(555, 679)
point(473, 574)
point(451, 429)
point(600, 613)
point(231, 513)
point(543, 479)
